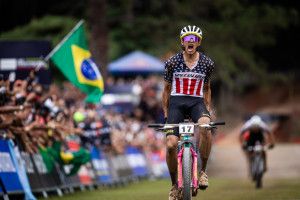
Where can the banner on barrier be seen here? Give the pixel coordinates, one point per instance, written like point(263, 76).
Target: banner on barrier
point(100, 165)
point(159, 166)
point(28, 163)
point(33, 176)
point(40, 165)
point(120, 167)
point(8, 172)
point(20, 167)
point(137, 161)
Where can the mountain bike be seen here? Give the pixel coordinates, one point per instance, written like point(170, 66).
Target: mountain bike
point(257, 167)
point(187, 156)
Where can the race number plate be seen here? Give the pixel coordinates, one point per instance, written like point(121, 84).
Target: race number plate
point(186, 128)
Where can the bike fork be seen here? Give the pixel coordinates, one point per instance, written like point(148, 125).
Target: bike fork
point(194, 168)
point(179, 168)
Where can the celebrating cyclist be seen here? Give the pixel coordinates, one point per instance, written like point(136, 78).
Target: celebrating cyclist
point(256, 130)
point(187, 93)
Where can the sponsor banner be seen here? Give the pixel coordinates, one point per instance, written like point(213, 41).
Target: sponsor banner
point(8, 64)
point(39, 163)
point(12, 64)
point(44, 178)
point(24, 49)
point(28, 163)
point(120, 167)
point(101, 166)
point(137, 161)
point(8, 172)
point(20, 166)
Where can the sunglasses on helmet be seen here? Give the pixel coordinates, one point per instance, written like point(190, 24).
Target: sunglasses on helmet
point(190, 38)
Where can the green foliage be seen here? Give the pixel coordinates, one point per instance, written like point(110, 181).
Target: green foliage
point(233, 32)
point(52, 28)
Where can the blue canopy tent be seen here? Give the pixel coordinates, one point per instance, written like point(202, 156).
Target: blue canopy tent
point(136, 63)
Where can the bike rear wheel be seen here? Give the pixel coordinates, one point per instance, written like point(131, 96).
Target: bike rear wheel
point(187, 172)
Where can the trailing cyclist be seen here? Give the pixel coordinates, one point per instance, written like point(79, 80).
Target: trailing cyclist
point(187, 93)
point(254, 131)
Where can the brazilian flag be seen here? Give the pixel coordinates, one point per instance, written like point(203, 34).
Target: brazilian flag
point(73, 58)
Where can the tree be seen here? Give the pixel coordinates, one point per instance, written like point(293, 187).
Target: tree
point(97, 20)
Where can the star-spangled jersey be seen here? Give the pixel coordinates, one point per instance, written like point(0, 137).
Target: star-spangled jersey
point(185, 81)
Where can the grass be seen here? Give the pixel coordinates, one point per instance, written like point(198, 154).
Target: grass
point(224, 189)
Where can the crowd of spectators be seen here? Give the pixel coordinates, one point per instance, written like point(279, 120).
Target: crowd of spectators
point(36, 117)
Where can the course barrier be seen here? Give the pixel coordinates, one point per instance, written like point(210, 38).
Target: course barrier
point(24, 175)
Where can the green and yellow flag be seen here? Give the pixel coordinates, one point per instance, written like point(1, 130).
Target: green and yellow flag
point(73, 58)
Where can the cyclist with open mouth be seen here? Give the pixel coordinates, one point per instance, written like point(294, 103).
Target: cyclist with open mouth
point(187, 93)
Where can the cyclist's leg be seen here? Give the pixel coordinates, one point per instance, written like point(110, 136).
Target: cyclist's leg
point(264, 153)
point(175, 115)
point(248, 156)
point(265, 161)
point(171, 157)
point(205, 142)
point(205, 148)
point(200, 114)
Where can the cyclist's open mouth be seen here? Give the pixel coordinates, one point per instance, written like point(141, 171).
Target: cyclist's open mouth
point(190, 47)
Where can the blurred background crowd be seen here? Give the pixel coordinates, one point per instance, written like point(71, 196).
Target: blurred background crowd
point(36, 117)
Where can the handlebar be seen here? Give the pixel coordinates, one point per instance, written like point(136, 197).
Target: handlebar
point(216, 123)
point(155, 125)
point(169, 126)
point(257, 148)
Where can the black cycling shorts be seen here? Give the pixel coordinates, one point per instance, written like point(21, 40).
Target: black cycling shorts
point(254, 137)
point(185, 107)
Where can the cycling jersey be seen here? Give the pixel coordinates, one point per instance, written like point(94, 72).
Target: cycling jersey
point(187, 87)
point(186, 81)
point(254, 131)
point(249, 125)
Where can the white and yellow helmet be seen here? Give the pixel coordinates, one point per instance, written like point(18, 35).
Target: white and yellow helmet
point(190, 30)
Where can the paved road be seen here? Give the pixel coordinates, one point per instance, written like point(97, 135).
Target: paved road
point(228, 161)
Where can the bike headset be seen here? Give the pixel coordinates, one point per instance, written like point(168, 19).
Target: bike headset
point(190, 30)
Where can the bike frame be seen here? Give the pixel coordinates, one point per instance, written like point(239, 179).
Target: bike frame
point(186, 143)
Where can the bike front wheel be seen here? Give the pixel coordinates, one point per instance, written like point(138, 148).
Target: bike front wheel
point(259, 168)
point(187, 171)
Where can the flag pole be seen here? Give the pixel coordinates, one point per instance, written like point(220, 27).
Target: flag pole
point(63, 40)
